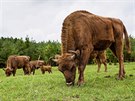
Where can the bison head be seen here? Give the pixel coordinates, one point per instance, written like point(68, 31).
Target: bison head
point(67, 65)
point(8, 71)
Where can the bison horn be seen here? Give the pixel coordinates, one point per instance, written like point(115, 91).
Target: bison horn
point(77, 52)
point(72, 57)
point(55, 60)
point(11, 70)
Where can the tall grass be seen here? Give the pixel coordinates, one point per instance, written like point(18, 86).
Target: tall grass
point(51, 87)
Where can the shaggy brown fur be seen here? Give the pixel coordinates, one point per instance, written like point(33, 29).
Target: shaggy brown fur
point(46, 68)
point(15, 62)
point(85, 32)
point(75, 22)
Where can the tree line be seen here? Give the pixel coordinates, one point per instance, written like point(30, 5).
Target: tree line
point(46, 50)
point(14, 46)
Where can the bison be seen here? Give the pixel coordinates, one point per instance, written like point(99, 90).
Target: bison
point(100, 57)
point(46, 68)
point(36, 64)
point(83, 33)
point(16, 62)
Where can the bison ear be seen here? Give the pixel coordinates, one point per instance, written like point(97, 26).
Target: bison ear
point(11, 70)
point(57, 56)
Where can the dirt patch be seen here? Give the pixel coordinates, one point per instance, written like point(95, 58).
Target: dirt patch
point(131, 75)
point(108, 76)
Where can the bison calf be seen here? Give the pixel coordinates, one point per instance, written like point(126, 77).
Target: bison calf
point(36, 64)
point(100, 57)
point(46, 68)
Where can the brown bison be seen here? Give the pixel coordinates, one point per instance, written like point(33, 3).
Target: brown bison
point(36, 64)
point(46, 68)
point(100, 57)
point(16, 62)
point(83, 33)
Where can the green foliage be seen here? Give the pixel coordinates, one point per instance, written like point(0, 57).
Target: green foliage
point(132, 40)
point(10, 46)
point(52, 87)
point(110, 56)
point(49, 50)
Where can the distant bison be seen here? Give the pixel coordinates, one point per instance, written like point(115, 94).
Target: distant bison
point(46, 68)
point(83, 33)
point(36, 64)
point(99, 57)
point(16, 62)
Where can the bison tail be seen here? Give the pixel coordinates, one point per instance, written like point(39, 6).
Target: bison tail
point(128, 47)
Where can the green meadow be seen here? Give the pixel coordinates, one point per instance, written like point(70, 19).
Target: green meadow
point(101, 86)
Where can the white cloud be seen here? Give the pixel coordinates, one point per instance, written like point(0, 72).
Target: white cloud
point(42, 20)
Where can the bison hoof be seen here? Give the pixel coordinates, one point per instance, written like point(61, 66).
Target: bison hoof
point(80, 83)
point(119, 78)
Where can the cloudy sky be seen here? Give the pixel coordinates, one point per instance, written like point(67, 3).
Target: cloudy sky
point(42, 20)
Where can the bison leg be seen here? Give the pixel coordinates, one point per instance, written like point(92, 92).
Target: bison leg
point(105, 64)
point(25, 71)
point(99, 64)
point(118, 52)
point(49, 71)
point(85, 53)
point(33, 71)
point(43, 72)
point(14, 72)
point(29, 70)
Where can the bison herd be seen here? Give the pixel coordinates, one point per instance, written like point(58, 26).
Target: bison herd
point(15, 62)
point(84, 35)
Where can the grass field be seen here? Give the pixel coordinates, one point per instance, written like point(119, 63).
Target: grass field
point(52, 87)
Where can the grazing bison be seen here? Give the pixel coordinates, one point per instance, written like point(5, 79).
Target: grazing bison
point(100, 57)
point(83, 33)
point(16, 62)
point(46, 68)
point(36, 64)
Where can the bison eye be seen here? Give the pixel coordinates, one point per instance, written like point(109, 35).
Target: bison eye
point(62, 69)
point(59, 69)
